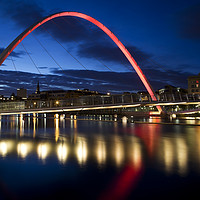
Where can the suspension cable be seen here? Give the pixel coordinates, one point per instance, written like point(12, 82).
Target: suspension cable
point(100, 61)
point(31, 58)
point(36, 66)
point(78, 43)
point(48, 53)
point(64, 31)
point(13, 63)
point(52, 91)
point(64, 48)
point(59, 27)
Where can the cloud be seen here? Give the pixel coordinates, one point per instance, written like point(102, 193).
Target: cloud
point(187, 22)
point(71, 29)
point(67, 29)
point(16, 54)
point(129, 80)
point(43, 67)
point(24, 13)
point(177, 78)
point(112, 53)
point(88, 40)
point(102, 81)
point(91, 43)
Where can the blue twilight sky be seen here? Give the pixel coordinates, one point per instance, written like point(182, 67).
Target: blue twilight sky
point(162, 35)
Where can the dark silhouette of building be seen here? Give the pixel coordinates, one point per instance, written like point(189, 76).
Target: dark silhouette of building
point(22, 93)
point(170, 93)
point(194, 84)
point(54, 98)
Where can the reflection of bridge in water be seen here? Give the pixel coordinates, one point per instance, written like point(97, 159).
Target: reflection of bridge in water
point(66, 143)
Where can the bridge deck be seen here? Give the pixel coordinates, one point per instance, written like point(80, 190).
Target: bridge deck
point(102, 106)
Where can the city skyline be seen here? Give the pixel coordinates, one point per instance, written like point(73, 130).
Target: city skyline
point(163, 47)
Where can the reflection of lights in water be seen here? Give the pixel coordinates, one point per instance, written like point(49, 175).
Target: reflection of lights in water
point(63, 124)
point(21, 125)
point(115, 127)
point(62, 117)
point(174, 116)
point(62, 153)
point(197, 145)
point(182, 156)
point(17, 122)
point(124, 120)
point(34, 126)
point(191, 121)
point(45, 123)
point(189, 117)
point(56, 129)
point(42, 151)
point(119, 152)
point(22, 150)
point(75, 131)
point(81, 152)
point(75, 125)
point(3, 148)
point(168, 154)
point(137, 155)
point(101, 152)
point(29, 122)
point(56, 116)
point(71, 124)
point(21, 116)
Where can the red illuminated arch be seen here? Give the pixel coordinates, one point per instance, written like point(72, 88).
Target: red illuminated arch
point(143, 78)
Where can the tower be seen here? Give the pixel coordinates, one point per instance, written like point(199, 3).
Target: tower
point(38, 88)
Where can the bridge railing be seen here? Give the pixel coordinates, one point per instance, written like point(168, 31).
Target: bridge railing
point(96, 100)
point(109, 99)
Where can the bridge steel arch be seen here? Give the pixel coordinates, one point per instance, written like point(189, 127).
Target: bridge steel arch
point(15, 42)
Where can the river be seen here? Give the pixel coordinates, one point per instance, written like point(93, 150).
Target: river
point(47, 158)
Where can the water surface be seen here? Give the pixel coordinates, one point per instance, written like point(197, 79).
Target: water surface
point(46, 158)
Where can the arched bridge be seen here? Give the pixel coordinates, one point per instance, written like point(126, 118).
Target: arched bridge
point(14, 44)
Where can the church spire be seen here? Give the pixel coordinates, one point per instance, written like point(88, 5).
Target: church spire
point(38, 88)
